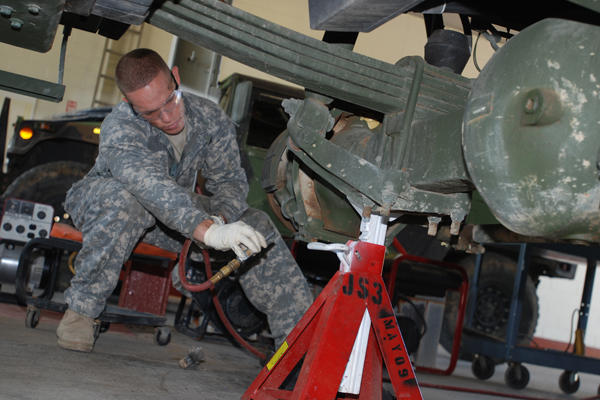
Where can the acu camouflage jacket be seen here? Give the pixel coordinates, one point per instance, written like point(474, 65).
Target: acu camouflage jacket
point(141, 157)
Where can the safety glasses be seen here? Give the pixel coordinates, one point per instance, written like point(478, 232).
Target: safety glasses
point(168, 106)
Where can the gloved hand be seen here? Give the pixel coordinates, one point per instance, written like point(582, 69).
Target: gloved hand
point(232, 236)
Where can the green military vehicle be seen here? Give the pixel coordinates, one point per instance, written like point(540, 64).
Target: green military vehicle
point(45, 157)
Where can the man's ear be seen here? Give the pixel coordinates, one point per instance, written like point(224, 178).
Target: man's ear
point(175, 71)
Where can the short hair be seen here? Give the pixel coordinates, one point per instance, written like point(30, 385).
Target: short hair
point(137, 68)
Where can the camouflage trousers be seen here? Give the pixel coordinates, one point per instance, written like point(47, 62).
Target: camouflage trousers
point(113, 222)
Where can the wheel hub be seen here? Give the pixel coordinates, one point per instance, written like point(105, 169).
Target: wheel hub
point(491, 312)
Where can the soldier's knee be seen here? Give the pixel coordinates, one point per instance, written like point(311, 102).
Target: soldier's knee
point(130, 208)
point(105, 199)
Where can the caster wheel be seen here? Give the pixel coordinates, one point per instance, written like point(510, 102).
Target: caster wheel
point(32, 318)
point(483, 367)
point(516, 376)
point(97, 329)
point(104, 326)
point(162, 336)
point(569, 382)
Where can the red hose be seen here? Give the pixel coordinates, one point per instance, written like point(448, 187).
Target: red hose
point(206, 285)
point(196, 287)
point(463, 290)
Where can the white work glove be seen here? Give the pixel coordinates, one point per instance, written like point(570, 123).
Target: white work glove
point(232, 236)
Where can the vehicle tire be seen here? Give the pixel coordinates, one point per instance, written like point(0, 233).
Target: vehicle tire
point(483, 367)
point(32, 318)
point(162, 336)
point(48, 183)
point(516, 376)
point(569, 382)
point(242, 315)
point(104, 327)
point(493, 302)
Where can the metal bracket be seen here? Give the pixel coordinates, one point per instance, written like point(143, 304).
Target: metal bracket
point(33, 87)
point(38, 88)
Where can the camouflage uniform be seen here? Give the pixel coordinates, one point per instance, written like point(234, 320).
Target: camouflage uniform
point(138, 190)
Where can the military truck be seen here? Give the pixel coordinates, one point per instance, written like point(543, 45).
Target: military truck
point(45, 157)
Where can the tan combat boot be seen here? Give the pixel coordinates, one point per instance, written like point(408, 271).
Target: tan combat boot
point(76, 332)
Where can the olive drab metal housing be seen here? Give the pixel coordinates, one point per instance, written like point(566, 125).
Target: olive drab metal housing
point(530, 131)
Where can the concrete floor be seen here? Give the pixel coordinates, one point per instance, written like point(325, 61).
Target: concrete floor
point(126, 364)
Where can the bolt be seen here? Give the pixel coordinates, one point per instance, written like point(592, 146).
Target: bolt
point(16, 24)
point(33, 9)
point(367, 212)
point(455, 227)
point(194, 357)
point(433, 225)
point(531, 105)
point(6, 11)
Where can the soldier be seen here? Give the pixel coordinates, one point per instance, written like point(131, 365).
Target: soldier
point(142, 187)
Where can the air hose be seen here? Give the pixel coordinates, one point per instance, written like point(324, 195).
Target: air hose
point(209, 284)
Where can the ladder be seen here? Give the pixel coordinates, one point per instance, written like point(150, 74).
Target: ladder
point(106, 92)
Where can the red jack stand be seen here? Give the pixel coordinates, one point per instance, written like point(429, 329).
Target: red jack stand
point(324, 338)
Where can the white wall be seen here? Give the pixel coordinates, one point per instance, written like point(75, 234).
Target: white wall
point(82, 64)
point(84, 51)
point(558, 299)
point(400, 37)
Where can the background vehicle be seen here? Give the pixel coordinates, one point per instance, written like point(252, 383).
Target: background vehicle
point(44, 158)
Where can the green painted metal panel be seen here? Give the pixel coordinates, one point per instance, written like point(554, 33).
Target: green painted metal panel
point(435, 161)
point(31, 25)
point(337, 214)
point(591, 4)
point(531, 140)
point(256, 196)
point(480, 213)
point(362, 180)
point(28, 86)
